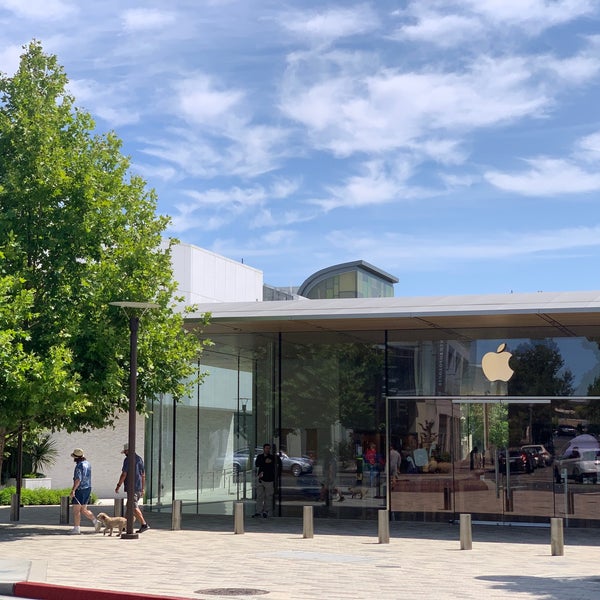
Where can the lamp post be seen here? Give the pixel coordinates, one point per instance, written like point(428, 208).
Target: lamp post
point(134, 310)
point(244, 402)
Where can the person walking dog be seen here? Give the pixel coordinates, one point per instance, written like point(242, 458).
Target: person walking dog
point(81, 492)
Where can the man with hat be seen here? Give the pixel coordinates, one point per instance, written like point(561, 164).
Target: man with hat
point(140, 485)
point(81, 491)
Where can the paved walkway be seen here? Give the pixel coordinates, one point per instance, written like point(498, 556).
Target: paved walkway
point(271, 559)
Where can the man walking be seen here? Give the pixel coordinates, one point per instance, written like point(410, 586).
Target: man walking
point(268, 468)
point(81, 491)
point(140, 485)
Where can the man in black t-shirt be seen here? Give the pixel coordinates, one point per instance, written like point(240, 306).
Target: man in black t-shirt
point(268, 468)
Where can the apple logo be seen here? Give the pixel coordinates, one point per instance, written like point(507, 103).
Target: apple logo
point(495, 364)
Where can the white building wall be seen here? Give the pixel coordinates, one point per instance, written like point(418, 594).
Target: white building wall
point(102, 447)
point(202, 276)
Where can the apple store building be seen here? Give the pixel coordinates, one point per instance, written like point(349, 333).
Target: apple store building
point(429, 407)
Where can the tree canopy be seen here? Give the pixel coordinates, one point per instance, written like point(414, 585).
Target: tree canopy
point(77, 231)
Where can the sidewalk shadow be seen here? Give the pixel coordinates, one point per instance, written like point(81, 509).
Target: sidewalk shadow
point(549, 588)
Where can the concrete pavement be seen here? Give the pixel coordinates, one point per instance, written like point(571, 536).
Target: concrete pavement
point(271, 559)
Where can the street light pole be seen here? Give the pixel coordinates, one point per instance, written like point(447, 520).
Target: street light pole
point(133, 310)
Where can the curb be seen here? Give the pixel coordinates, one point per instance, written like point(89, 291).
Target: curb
point(47, 591)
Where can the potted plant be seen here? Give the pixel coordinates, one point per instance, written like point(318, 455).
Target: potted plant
point(42, 452)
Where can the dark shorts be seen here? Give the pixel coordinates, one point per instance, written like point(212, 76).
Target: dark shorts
point(136, 499)
point(82, 496)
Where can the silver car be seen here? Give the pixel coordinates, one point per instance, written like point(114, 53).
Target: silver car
point(580, 464)
point(296, 465)
point(545, 458)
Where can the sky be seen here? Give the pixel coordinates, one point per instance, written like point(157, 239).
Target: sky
point(454, 144)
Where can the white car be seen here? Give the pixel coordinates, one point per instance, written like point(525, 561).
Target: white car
point(580, 464)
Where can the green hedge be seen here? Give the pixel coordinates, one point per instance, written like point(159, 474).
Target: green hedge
point(37, 497)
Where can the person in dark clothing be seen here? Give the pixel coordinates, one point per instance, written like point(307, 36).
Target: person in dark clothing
point(138, 488)
point(268, 468)
point(472, 457)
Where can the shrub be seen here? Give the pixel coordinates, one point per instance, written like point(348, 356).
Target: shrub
point(37, 497)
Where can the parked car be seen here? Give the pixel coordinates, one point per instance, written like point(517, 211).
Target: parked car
point(580, 464)
point(296, 465)
point(566, 430)
point(535, 456)
point(543, 456)
point(520, 461)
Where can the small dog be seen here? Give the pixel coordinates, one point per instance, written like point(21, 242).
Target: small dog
point(110, 523)
point(356, 492)
point(337, 495)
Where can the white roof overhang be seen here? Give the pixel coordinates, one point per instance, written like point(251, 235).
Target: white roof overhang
point(542, 314)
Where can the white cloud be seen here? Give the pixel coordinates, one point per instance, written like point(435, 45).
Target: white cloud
point(108, 102)
point(547, 177)
point(10, 57)
point(536, 14)
point(53, 10)
point(390, 109)
point(447, 23)
point(443, 30)
point(574, 70)
point(379, 183)
point(588, 147)
point(147, 19)
point(189, 152)
point(200, 102)
point(444, 247)
point(328, 25)
point(233, 199)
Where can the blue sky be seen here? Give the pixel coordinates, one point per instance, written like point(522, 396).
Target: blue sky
point(454, 144)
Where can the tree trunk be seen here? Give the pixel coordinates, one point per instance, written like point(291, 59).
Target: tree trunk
point(3, 434)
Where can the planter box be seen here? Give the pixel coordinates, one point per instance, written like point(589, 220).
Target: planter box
point(33, 484)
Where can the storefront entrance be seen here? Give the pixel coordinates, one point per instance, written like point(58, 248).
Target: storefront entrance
point(499, 459)
point(505, 471)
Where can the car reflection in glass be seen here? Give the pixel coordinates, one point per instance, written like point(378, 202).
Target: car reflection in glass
point(580, 464)
point(520, 461)
point(296, 465)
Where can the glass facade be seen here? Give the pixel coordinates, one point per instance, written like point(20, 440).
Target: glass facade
point(338, 405)
point(351, 284)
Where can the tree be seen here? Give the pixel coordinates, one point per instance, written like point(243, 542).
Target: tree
point(539, 371)
point(80, 232)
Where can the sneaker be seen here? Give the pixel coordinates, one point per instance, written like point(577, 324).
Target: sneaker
point(97, 525)
point(265, 515)
point(255, 515)
point(74, 531)
point(143, 528)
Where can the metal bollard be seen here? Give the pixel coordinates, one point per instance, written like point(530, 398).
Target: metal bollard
point(466, 534)
point(384, 526)
point(176, 515)
point(557, 542)
point(14, 507)
point(447, 499)
point(118, 509)
point(570, 502)
point(238, 517)
point(64, 510)
point(308, 529)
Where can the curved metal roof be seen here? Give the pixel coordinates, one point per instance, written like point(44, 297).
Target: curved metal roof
point(357, 265)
